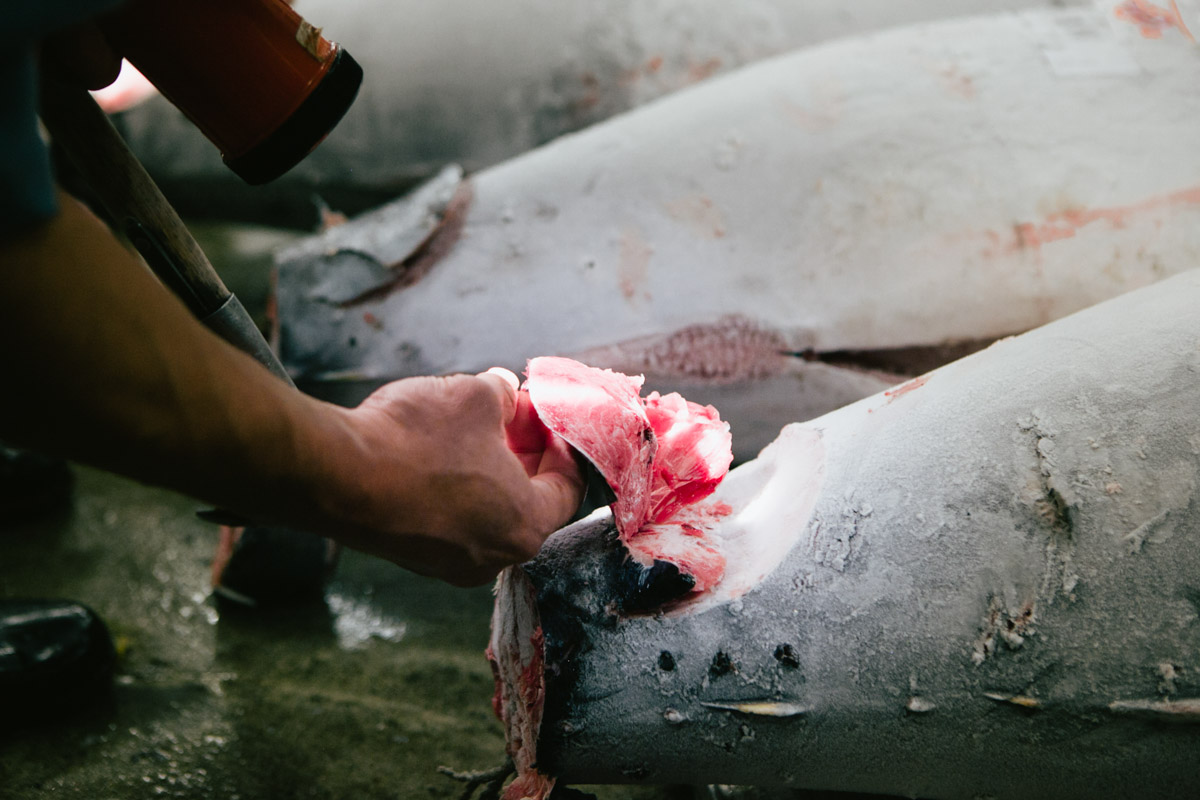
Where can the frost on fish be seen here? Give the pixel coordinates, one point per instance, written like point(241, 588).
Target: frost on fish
point(1008, 545)
point(662, 455)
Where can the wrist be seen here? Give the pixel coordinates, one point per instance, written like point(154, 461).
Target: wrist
point(330, 473)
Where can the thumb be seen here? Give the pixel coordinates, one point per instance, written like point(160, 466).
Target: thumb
point(504, 383)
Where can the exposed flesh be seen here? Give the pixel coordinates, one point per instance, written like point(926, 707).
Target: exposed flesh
point(662, 455)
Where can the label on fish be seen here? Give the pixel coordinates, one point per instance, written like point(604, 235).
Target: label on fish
point(1080, 44)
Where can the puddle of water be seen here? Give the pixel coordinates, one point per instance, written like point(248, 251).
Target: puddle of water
point(356, 622)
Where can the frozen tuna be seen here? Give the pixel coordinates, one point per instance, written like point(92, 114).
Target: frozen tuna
point(980, 583)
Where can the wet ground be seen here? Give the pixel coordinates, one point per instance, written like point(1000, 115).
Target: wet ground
point(363, 695)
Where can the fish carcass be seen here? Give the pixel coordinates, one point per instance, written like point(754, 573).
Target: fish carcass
point(790, 237)
point(476, 82)
point(981, 583)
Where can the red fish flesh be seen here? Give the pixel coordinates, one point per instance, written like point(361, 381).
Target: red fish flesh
point(662, 455)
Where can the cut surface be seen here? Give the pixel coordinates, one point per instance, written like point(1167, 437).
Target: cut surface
point(661, 455)
point(694, 453)
point(599, 413)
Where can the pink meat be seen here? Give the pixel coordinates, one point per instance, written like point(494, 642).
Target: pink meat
point(661, 456)
point(600, 414)
point(694, 453)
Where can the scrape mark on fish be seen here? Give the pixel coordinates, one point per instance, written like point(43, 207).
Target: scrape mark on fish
point(1186, 710)
point(900, 391)
point(1019, 700)
point(759, 708)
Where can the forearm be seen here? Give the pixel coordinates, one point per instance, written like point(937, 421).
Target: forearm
point(110, 369)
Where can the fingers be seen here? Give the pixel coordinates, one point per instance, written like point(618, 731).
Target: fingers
point(526, 435)
point(553, 472)
point(558, 486)
point(513, 490)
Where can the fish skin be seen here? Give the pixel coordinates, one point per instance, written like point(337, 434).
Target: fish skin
point(929, 529)
point(882, 232)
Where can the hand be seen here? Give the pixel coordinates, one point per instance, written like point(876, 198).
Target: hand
point(451, 477)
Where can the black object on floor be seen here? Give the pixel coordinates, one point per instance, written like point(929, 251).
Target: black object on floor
point(56, 657)
point(31, 484)
point(269, 565)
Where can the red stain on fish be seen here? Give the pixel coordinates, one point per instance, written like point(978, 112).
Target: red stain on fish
point(533, 687)
point(1152, 19)
point(1065, 224)
point(900, 391)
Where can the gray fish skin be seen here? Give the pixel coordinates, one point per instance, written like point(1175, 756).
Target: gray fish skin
point(959, 611)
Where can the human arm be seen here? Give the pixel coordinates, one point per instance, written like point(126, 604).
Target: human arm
point(115, 373)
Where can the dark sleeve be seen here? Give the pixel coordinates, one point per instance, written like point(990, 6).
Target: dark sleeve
point(30, 20)
point(26, 182)
point(27, 195)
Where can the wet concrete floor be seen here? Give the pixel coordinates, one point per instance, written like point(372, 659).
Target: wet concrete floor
point(362, 695)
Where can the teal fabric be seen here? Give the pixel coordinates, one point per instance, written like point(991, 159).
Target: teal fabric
point(26, 181)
